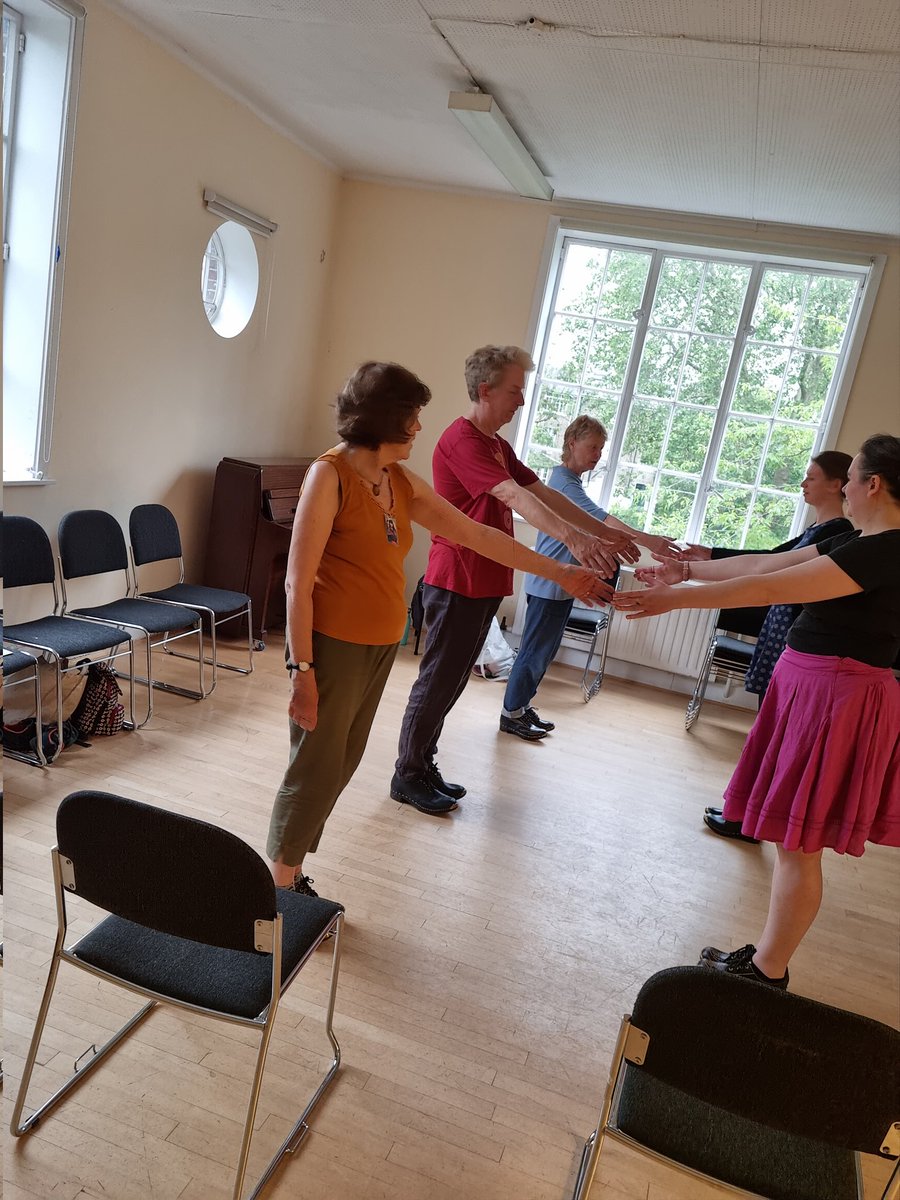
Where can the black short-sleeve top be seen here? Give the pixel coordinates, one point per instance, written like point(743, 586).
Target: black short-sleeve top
point(866, 625)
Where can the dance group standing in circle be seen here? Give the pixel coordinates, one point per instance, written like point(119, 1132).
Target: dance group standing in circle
point(821, 766)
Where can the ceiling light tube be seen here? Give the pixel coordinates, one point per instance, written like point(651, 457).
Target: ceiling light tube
point(480, 115)
point(234, 212)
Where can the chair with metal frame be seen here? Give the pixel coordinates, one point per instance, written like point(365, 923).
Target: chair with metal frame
point(91, 543)
point(727, 657)
point(176, 936)
point(765, 1092)
point(154, 536)
point(56, 637)
point(17, 663)
point(590, 626)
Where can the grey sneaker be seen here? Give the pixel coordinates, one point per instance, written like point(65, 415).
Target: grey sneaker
point(711, 954)
point(302, 885)
point(742, 966)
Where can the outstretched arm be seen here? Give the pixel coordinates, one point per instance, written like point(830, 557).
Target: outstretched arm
point(804, 583)
point(438, 515)
point(744, 565)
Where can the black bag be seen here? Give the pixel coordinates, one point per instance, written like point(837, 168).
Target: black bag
point(99, 710)
point(417, 612)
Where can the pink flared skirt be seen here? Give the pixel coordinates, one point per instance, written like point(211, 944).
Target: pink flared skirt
point(821, 765)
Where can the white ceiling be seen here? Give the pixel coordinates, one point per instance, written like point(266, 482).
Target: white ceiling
point(784, 111)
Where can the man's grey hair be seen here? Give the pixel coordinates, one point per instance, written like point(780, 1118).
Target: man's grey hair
point(488, 364)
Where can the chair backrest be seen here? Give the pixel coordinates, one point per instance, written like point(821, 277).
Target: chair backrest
point(163, 870)
point(154, 534)
point(28, 555)
point(781, 1060)
point(91, 542)
point(747, 621)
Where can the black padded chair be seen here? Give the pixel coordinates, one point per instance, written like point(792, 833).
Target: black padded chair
point(591, 627)
point(176, 935)
point(727, 657)
point(60, 639)
point(751, 1087)
point(19, 669)
point(155, 538)
point(91, 543)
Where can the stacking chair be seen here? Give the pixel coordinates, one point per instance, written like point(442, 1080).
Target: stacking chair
point(91, 543)
point(175, 935)
point(21, 668)
point(727, 657)
point(591, 626)
point(764, 1092)
point(60, 639)
point(155, 538)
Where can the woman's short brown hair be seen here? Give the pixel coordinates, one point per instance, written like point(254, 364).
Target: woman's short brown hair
point(378, 403)
point(834, 464)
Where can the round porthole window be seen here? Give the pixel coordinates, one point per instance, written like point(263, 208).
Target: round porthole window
point(229, 279)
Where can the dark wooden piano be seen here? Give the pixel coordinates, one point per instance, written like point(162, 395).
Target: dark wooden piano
point(254, 502)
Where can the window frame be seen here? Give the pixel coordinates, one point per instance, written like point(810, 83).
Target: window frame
point(75, 15)
point(10, 93)
point(868, 268)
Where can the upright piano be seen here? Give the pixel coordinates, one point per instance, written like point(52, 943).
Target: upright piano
point(254, 502)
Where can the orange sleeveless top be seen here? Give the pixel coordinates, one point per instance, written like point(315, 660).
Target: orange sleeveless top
point(358, 595)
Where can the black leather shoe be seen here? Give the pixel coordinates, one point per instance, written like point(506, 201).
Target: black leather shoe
point(522, 728)
point(455, 791)
point(729, 829)
point(716, 812)
point(532, 716)
point(744, 968)
point(711, 954)
point(421, 794)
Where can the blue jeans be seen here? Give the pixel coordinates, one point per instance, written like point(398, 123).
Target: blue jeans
point(545, 624)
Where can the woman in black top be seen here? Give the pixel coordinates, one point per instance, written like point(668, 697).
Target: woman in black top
point(821, 765)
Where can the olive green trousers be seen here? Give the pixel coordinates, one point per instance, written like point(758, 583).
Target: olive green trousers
point(350, 679)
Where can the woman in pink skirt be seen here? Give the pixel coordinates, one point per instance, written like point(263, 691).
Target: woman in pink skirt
point(821, 765)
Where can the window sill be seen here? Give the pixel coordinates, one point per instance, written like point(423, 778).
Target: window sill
point(26, 482)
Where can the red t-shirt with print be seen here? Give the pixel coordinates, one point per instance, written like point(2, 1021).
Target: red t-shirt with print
point(466, 465)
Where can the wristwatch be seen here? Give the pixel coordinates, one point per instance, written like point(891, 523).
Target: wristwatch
point(302, 667)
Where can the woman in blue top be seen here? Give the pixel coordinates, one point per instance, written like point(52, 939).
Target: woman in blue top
point(548, 606)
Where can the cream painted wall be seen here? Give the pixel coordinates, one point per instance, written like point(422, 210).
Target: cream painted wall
point(424, 277)
point(149, 398)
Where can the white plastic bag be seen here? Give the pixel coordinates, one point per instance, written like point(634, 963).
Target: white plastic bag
point(496, 656)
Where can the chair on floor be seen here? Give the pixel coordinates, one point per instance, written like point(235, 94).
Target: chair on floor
point(590, 627)
point(21, 668)
point(155, 538)
point(91, 543)
point(764, 1092)
point(60, 640)
point(175, 935)
point(727, 657)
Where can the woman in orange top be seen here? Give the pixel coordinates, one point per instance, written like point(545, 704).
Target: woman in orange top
point(346, 610)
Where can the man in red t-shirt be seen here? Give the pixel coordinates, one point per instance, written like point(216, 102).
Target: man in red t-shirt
point(478, 472)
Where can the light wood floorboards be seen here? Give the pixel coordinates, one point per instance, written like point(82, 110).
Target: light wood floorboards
point(488, 959)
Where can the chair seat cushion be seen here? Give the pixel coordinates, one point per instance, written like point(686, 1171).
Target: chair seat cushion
point(155, 618)
point(732, 1149)
point(16, 660)
point(225, 981)
point(734, 649)
point(66, 637)
point(218, 600)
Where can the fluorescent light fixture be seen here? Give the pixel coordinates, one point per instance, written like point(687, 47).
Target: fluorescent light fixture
point(480, 115)
point(235, 212)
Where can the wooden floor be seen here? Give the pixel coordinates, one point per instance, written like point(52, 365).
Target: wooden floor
point(488, 959)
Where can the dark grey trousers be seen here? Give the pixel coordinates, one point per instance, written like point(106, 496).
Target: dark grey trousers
point(456, 627)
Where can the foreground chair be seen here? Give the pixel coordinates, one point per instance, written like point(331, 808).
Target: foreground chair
point(768, 1093)
point(155, 538)
point(91, 543)
point(196, 922)
point(59, 640)
point(727, 657)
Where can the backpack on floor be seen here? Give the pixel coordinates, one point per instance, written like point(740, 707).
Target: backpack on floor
point(99, 711)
